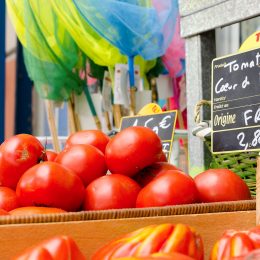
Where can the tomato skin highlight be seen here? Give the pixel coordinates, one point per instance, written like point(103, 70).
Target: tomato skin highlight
point(169, 188)
point(113, 191)
point(215, 185)
point(18, 154)
point(133, 149)
point(50, 184)
point(85, 160)
point(93, 137)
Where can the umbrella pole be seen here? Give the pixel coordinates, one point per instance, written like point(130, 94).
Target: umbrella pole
point(52, 125)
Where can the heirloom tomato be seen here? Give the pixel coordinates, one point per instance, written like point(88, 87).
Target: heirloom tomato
point(18, 154)
point(85, 160)
point(133, 149)
point(234, 244)
point(8, 199)
point(114, 191)
point(56, 248)
point(169, 188)
point(162, 238)
point(50, 184)
point(3, 212)
point(221, 185)
point(159, 256)
point(92, 137)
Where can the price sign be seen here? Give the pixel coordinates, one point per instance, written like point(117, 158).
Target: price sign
point(163, 124)
point(236, 102)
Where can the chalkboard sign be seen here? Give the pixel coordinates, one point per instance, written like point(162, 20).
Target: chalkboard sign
point(163, 124)
point(236, 102)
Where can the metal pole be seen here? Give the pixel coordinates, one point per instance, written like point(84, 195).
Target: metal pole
point(2, 71)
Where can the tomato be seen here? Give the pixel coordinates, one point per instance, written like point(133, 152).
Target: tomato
point(112, 191)
point(170, 188)
point(221, 185)
point(163, 238)
point(162, 157)
point(159, 256)
point(85, 160)
point(133, 149)
point(8, 199)
point(18, 154)
point(232, 244)
point(52, 185)
point(93, 137)
point(35, 210)
point(56, 248)
point(149, 173)
point(51, 155)
point(3, 212)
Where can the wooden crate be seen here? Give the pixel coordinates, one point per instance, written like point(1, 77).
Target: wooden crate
point(93, 229)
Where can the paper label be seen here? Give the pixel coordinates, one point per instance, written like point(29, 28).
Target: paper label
point(164, 87)
point(106, 92)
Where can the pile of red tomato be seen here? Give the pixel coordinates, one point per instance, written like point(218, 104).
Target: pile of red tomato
point(95, 172)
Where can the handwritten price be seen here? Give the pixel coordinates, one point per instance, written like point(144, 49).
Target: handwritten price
point(256, 140)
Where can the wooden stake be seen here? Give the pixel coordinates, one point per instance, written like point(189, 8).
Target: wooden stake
point(132, 101)
point(258, 192)
point(106, 114)
point(72, 125)
point(52, 125)
point(117, 115)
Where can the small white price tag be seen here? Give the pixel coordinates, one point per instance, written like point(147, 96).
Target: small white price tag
point(143, 98)
point(121, 92)
point(106, 92)
point(164, 87)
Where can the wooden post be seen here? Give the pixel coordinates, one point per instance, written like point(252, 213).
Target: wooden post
point(72, 125)
point(52, 125)
point(117, 115)
point(132, 101)
point(106, 115)
point(258, 192)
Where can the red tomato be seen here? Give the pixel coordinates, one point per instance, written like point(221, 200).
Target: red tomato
point(18, 154)
point(162, 157)
point(8, 199)
point(162, 238)
point(133, 149)
point(149, 173)
point(56, 248)
point(93, 137)
point(221, 185)
point(51, 155)
point(170, 188)
point(52, 185)
point(34, 211)
point(113, 191)
point(85, 160)
point(3, 212)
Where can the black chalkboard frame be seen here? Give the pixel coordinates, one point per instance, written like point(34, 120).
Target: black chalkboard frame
point(212, 99)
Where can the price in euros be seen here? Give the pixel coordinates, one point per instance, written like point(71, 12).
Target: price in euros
point(241, 137)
